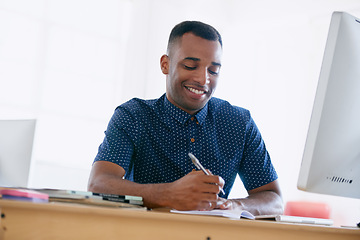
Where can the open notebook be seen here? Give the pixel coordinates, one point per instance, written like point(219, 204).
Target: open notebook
point(247, 215)
point(220, 213)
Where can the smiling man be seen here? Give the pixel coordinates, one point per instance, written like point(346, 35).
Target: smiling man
point(146, 145)
point(192, 67)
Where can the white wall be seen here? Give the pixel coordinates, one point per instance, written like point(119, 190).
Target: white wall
point(70, 63)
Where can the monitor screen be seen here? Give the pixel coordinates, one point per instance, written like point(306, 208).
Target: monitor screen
point(331, 160)
point(16, 144)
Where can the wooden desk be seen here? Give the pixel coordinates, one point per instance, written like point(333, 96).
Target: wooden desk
point(23, 220)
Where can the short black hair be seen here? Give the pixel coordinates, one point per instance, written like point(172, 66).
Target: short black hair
point(199, 29)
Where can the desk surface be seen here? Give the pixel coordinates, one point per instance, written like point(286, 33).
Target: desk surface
point(24, 220)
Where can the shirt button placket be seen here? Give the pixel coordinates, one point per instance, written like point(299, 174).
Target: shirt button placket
point(193, 127)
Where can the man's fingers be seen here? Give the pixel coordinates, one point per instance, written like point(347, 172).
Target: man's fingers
point(207, 205)
point(224, 204)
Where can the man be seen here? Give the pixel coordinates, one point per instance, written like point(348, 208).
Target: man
point(146, 145)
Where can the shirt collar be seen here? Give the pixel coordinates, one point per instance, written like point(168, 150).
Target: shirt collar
point(182, 116)
point(201, 115)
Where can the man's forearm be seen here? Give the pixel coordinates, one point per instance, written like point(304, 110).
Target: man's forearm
point(191, 192)
point(151, 193)
point(261, 203)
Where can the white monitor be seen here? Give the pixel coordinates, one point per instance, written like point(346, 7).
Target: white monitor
point(16, 144)
point(331, 160)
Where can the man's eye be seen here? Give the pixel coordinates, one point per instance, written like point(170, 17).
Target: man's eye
point(189, 68)
point(213, 73)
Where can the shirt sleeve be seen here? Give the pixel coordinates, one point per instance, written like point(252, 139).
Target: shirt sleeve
point(117, 146)
point(256, 168)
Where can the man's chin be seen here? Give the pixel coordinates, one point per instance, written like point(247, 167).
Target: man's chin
point(190, 106)
point(195, 108)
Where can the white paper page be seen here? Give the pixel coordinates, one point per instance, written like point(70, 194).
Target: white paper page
point(221, 213)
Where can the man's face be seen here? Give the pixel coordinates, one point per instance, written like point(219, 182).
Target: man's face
point(192, 69)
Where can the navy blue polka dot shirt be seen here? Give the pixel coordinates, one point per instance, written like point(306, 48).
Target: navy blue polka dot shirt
point(151, 140)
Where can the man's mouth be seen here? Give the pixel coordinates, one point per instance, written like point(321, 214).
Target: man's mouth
point(193, 90)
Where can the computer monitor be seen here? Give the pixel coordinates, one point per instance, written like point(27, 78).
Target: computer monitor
point(331, 159)
point(16, 144)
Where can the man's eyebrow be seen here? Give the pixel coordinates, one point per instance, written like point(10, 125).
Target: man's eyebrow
point(216, 64)
point(192, 59)
point(198, 59)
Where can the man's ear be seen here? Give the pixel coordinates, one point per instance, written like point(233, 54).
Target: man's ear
point(164, 64)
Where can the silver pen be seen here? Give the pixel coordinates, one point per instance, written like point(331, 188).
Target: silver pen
point(197, 163)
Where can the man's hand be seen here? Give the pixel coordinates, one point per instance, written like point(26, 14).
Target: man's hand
point(265, 200)
point(194, 191)
point(223, 203)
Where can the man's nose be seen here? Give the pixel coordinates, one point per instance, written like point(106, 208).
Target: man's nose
point(203, 77)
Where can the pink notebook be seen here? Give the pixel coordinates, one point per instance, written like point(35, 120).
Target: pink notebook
point(24, 194)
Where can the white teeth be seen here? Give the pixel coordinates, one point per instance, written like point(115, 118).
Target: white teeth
point(195, 90)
